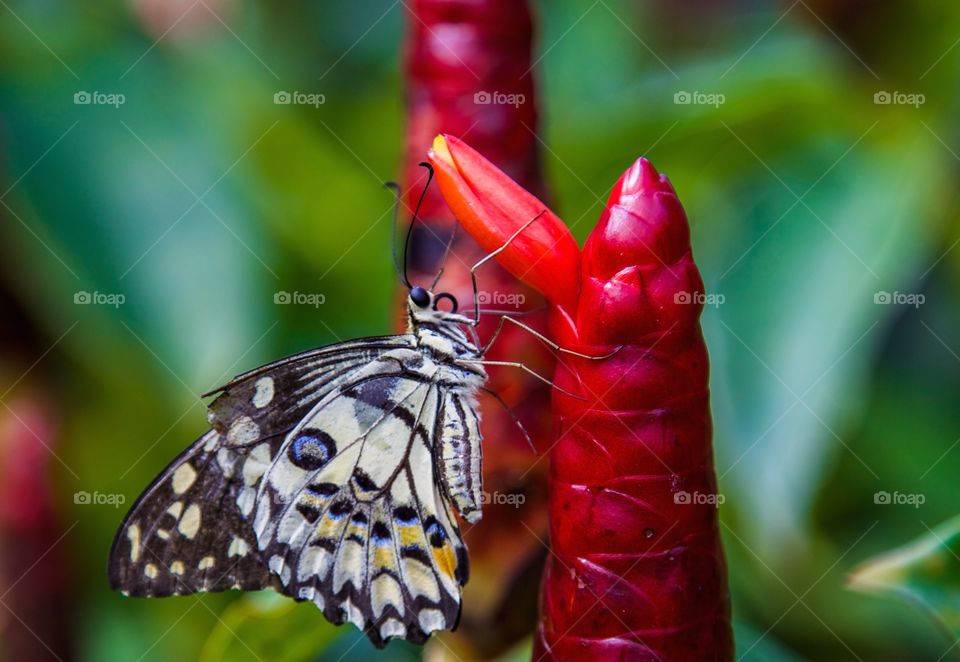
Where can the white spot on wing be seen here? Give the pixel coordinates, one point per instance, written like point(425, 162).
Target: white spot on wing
point(133, 535)
point(385, 591)
point(238, 547)
point(264, 393)
point(150, 571)
point(227, 460)
point(354, 614)
point(176, 509)
point(279, 568)
point(392, 628)
point(256, 464)
point(206, 562)
point(183, 477)
point(211, 443)
point(245, 500)
point(306, 593)
point(315, 561)
point(177, 567)
point(431, 619)
point(190, 522)
point(243, 431)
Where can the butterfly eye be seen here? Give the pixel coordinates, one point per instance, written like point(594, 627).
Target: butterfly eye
point(445, 295)
point(419, 296)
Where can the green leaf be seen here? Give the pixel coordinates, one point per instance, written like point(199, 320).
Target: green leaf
point(924, 572)
point(267, 626)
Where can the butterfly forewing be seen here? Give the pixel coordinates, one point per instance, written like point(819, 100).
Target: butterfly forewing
point(186, 534)
point(331, 476)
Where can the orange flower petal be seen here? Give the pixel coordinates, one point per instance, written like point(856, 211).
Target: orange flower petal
point(492, 207)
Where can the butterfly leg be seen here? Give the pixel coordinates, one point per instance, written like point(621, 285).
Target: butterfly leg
point(488, 256)
point(547, 341)
point(527, 369)
point(513, 415)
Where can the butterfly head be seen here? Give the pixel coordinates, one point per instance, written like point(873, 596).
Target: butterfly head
point(425, 306)
point(422, 300)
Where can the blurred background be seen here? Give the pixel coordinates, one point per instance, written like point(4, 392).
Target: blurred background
point(158, 200)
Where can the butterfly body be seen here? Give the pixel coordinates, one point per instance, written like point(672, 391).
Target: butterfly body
point(331, 476)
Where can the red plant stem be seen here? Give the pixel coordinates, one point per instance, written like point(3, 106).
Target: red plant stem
point(455, 51)
point(637, 570)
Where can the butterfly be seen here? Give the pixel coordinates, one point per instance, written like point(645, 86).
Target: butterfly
point(336, 476)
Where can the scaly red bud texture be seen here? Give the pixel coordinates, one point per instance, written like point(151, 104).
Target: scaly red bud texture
point(636, 570)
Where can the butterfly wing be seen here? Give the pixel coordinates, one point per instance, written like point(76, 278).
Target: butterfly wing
point(189, 530)
point(351, 514)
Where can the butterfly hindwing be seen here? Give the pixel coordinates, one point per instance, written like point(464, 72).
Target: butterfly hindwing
point(351, 514)
point(189, 531)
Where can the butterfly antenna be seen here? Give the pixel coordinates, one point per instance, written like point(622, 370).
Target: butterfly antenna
point(393, 186)
point(416, 212)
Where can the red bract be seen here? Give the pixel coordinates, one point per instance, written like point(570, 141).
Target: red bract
point(636, 570)
point(492, 207)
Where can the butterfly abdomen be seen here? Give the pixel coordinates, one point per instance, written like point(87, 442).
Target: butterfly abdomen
point(460, 454)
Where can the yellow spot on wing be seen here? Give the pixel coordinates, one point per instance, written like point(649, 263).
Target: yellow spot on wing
point(410, 535)
point(385, 557)
point(444, 560)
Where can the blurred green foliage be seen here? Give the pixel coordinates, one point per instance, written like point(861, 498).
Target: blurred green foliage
point(925, 571)
point(199, 198)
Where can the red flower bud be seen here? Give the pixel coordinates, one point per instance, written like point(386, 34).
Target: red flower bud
point(636, 570)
